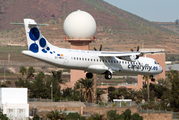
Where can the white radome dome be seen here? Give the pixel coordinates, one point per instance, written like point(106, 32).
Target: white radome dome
point(79, 25)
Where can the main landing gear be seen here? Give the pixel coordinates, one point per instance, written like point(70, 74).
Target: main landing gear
point(107, 75)
point(89, 75)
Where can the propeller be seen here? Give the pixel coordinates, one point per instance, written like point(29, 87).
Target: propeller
point(133, 50)
point(99, 48)
point(137, 56)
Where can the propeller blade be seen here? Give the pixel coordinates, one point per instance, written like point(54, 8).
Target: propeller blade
point(94, 48)
point(100, 47)
point(137, 47)
point(131, 50)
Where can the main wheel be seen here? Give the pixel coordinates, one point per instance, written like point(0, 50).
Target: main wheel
point(108, 75)
point(89, 75)
point(153, 79)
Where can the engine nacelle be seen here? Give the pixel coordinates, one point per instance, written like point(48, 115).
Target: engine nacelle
point(129, 58)
point(133, 58)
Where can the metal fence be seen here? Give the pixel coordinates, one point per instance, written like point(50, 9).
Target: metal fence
point(175, 115)
point(40, 100)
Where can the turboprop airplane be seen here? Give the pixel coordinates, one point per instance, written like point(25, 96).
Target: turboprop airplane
point(100, 62)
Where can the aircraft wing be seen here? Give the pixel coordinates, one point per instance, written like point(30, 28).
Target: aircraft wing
point(125, 54)
point(130, 56)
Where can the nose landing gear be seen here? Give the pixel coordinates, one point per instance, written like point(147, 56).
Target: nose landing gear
point(152, 78)
point(108, 75)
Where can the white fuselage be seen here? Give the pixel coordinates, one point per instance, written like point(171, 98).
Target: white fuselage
point(89, 61)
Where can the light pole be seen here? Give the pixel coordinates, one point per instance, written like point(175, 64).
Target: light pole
point(51, 92)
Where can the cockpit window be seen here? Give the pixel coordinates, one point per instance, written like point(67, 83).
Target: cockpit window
point(155, 62)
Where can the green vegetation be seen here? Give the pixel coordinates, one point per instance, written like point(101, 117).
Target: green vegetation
point(126, 115)
point(166, 92)
point(99, 92)
point(87, 88)
point(111, 115)
point(75, 116)
point(3, 116)
point(56, 115)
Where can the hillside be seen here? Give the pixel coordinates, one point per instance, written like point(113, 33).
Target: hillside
point(116, 29)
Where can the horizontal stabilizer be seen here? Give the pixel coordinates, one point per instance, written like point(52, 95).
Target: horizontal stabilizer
point(30, 24)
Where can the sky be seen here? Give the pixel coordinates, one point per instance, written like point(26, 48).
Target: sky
point(152, 10)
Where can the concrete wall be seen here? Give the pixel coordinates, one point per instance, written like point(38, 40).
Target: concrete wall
point(44, 108)
point(16, 111)
point(13, 96)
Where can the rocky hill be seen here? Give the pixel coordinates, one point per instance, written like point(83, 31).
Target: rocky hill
point(116, 28)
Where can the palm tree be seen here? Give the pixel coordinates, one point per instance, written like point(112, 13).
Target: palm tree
point(99, 92)
point(137, 101)
point(116, 94)
point(163, 82)
point(133, 93)
point(146, 78)
point(23, 71)
point(30, 72)
point(87, 86)
point(58, 76)
point(97, 116)
point(55, 115)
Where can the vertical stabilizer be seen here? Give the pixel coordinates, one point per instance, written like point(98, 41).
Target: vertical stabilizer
point(35, 40)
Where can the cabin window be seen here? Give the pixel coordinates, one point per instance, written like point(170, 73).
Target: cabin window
point(85, 59)
point(122, 62)
point(97, 60)
point(79, 58)
point(88, 59)
point(91, 59)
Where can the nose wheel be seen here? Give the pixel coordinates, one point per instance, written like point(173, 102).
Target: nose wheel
point(152, 78)
point(108, 75)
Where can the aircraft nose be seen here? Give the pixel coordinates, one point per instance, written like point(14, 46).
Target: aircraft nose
point(161, 70)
